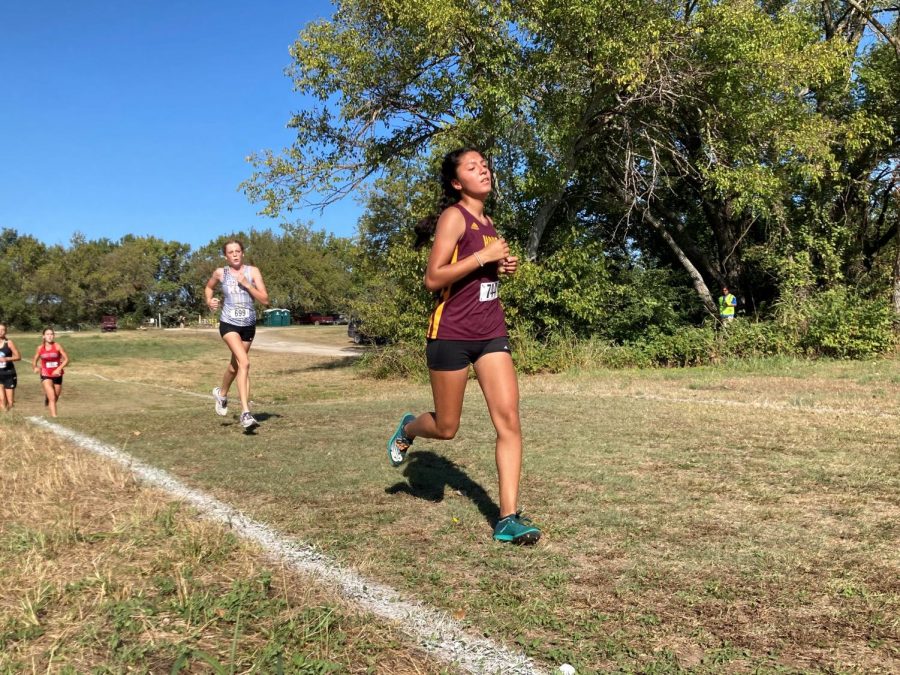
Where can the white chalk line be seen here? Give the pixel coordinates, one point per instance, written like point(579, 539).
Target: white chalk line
point(763, 405)
point(186, 392)
point(433, 630)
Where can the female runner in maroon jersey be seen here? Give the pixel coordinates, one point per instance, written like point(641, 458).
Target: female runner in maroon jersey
point(53, 360)
point(468, 327)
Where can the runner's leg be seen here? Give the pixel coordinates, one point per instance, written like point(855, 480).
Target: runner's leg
point(448, 388)
point(50, 393)
point(240, 361)
point(497, 377)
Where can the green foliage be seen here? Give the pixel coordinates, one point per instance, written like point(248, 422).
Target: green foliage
point(687, 346)
point(746, 142)
point(136, 278)
point(566, 290)
point(304, 269)
point(644, 155)
point(841, 324)
point(397, 360)
point(393, 302)
point(749, 339)
point(555, 352)
point(646, 301)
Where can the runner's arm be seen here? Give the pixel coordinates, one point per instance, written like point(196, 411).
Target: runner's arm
point(65, 359)
point(258, 288)
point(510, 263)
point(210, 285)
point(440, 272)
point(16, 356)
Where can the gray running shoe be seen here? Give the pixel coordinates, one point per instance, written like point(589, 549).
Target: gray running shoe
point(247, 421)
point(221, 403)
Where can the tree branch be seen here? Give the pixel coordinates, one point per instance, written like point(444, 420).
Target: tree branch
point(877, 25)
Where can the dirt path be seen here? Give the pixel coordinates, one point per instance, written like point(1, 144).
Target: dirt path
point(271, 342)
point(268, 342)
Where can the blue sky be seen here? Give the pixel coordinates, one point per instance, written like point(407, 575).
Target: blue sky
point(136, 117)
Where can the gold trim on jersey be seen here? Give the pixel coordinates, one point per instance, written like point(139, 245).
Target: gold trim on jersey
point(439, 310)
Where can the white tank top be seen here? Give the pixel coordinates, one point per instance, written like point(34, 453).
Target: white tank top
point(237, 308)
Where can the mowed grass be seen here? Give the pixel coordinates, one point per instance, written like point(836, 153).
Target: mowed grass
point(102, 575)
point(731, 519)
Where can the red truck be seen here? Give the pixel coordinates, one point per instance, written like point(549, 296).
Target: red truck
point(108, 323)
point(316, 319)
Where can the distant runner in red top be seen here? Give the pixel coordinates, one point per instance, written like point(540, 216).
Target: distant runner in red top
point(468, 327)
point(50, 360)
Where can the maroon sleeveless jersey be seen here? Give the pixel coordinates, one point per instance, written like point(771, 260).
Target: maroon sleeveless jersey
point(469, 309)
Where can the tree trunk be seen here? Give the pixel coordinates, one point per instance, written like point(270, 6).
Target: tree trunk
point(696, 278)
point(896, 290)
point(541, 220)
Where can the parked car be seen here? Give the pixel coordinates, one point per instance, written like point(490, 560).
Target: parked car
point(315, 319)
point(108, 323)
point(359, 336)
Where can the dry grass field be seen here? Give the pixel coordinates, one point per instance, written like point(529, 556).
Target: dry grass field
point(744, 518)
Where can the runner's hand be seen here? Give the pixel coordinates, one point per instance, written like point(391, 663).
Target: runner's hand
point(495, 251)
point(508, 265)
point(243, 279)
point(213, 304)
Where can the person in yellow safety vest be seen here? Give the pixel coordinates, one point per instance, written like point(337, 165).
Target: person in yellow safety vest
point(727, 303)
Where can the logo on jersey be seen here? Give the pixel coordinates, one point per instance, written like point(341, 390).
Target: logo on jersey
point(475, 226)
point(487, 240)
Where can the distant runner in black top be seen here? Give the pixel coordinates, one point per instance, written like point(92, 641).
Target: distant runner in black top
point(8, 378)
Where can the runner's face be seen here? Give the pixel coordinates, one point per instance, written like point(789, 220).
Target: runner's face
point(234, 254)
point(2, 331)
point(49, 336)
point(473, 176)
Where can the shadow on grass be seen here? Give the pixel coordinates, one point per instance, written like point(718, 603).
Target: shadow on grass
point(429, 474)
point(259, 417)
point(335, 363)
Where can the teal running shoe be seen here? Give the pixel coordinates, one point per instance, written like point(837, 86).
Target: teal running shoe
point(516, 529)
point(399, 443)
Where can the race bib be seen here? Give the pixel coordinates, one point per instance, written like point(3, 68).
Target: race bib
point(51, 365)
point(238, 313)
point(489, 291)
point(2, 364)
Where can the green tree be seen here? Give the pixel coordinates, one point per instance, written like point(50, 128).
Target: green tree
point(304, 269)
point(20, 258)
point(743, 143)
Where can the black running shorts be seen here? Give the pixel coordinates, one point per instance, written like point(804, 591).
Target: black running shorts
point(8, 378)
point(247, 333)
point(56, 380)
point(458, 354)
